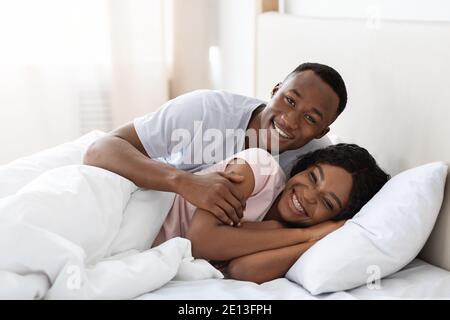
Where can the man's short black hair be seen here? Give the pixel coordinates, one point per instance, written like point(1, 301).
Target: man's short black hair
point(367, 176)
point(330, 77)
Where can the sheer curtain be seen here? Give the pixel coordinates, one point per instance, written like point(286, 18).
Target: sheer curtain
point(70, 66)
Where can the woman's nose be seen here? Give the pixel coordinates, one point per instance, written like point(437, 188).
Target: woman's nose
point(310, 195)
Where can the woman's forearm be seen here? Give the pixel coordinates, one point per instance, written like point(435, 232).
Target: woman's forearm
point(214, 241)
point(266, 265)
point(262, 225)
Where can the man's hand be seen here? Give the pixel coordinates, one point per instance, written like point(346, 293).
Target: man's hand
point(215, 192)
point(320, 230)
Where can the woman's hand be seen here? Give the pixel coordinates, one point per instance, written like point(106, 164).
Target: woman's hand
point(320, 230)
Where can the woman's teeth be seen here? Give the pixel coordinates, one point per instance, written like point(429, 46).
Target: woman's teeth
point(297, 204)
point(280, 132)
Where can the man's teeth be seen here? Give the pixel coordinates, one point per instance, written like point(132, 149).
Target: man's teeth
point(297, 204)
point(280, 132)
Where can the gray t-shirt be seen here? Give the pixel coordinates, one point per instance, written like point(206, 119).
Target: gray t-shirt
point(200, 128)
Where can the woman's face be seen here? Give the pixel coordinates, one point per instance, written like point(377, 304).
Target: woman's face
point(314, 195)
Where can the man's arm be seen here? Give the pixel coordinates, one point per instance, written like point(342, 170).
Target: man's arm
point(122, 152)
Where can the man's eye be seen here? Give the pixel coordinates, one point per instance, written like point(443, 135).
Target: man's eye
point(290, 101)
point(310, 119)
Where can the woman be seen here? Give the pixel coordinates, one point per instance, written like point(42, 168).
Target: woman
point(281, 220)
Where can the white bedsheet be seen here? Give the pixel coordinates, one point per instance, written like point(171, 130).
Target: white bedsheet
point(81, 232)
point(418, 280)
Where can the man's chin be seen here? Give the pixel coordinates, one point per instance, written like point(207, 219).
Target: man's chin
point(274, 150)
point(269, 149)
point(272, 147)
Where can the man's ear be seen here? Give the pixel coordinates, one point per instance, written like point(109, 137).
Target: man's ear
point(324, 132)
point(275, 89)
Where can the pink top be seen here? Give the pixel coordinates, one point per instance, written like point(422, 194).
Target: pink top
point(269, 182)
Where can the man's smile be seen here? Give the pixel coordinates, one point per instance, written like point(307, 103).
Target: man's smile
point(283, 132)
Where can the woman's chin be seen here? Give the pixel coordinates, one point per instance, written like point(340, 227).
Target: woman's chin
point(302, 223)
point(294, 219)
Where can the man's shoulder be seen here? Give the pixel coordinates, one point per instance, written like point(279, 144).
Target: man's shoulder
point(223, 98)
point(317, 144)
point(209, 93)
point(215, 108)
point(288, 158)
point(313, 145)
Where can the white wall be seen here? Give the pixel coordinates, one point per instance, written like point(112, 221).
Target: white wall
point(29, 123)
point(190, 46)
point(214, 43)
point(46, 71)
point(41, 106)
point(139, 63)
point(57, 83)
point(417, 10)
point(236, 32)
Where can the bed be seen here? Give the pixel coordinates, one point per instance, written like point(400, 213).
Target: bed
point(418, 280)
point(396, 75)
point(383, 71)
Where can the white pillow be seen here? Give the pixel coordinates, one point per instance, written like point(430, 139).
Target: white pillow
point(387, 233)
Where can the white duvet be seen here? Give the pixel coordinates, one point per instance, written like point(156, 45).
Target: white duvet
point(69, 231)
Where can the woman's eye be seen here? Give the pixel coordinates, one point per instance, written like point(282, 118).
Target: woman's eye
point(313, 177)
point(310, 119)
point(328, 204)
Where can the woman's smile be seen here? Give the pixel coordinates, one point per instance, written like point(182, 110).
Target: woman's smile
point(296, 206)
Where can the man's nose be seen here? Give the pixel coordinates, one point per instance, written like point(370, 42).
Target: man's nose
point(290, 120)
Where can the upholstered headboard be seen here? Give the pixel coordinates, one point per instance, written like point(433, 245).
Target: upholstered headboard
point(397, 77)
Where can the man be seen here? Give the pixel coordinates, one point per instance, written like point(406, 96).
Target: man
point(148, 151)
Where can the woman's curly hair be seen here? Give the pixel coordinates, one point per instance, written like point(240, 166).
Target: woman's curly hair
point(368, 177)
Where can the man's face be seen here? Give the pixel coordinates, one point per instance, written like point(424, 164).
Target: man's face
point(301, 109)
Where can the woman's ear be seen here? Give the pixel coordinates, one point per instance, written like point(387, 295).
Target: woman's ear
point(275, 89)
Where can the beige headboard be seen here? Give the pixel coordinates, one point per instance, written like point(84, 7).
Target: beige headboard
point(398, 82)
